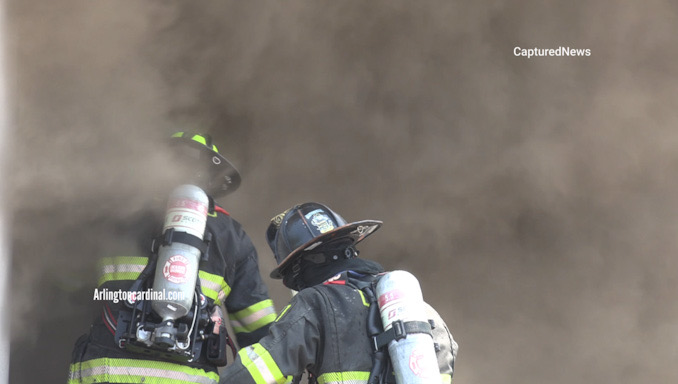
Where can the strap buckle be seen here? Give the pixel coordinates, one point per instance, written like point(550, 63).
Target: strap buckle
point(399, 330)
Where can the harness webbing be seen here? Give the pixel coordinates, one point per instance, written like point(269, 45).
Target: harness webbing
point(382, 366)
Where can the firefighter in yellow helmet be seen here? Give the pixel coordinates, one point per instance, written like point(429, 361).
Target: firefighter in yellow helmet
point(117, 349)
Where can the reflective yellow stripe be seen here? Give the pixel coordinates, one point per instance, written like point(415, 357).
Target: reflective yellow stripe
point(199, 139)
point(351, 377)
point(253, 317)
point(130, 267)
point(214, 287)
point(137, 371)
point(120, 268)
point(360, 377)
point(283, 312)
point(260, 365)
point(362, 296)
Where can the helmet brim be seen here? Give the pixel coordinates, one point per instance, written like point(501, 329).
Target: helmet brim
point(224, 177)
point(350, 234)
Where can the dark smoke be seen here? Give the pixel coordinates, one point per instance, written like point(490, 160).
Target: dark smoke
point(534, 198)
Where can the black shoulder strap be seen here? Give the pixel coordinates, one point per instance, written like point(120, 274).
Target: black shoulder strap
point(146, 273)
point(171, 236)
point(399, 330)
point(380, 359)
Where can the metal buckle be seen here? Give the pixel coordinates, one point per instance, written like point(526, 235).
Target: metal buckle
point(399, 330)
point(375, 344)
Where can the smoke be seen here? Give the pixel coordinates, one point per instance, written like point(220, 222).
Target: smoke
point(533, 198)
point(4, 240)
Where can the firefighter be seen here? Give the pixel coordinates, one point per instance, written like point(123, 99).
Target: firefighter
point(324, 329)
point(229, 277)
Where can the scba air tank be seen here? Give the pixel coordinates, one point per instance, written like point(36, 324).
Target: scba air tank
point(177, 268)
point(413, 357)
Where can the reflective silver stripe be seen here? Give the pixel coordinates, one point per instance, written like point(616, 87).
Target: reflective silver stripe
point(221, 295)
point(216, 287)
point(113, 268)
point(236, 324)
point(259, 362)
point(140, 371)
point(255, 316)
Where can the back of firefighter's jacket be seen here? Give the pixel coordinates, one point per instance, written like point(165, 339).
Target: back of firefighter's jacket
point(323, 330)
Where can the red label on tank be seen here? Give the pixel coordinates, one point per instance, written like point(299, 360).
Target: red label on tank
point(175, 269)
point(390, 296)
point(188, 204)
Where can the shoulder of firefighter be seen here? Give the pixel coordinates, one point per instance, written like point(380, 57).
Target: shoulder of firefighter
point(323, 331)
point(229, 277)
point(250, 310)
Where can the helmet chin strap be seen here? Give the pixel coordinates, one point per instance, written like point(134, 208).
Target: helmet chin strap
point(293, 277)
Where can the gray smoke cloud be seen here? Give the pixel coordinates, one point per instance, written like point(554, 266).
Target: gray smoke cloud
point(533, 198)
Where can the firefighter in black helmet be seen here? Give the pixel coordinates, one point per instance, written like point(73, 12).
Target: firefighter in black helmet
point(229, 277)
point(326, 327)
